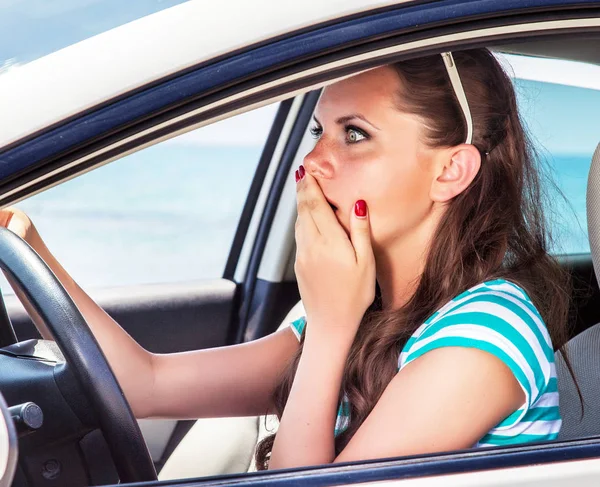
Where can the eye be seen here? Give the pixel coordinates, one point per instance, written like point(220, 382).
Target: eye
point(354, 135)
point(316, 131)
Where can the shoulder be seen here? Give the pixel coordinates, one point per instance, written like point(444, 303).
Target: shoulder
point(497, 306)
point(497, 317)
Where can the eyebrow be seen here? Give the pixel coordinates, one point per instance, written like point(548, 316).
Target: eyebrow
point(348, 118)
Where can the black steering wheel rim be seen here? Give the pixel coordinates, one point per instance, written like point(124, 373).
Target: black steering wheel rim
point(81, 350)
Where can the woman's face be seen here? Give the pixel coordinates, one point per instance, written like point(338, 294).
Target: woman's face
point(367, 149)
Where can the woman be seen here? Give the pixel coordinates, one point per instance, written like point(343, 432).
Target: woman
point(432, 306)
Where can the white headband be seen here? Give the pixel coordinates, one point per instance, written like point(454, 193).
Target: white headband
point(459, 92)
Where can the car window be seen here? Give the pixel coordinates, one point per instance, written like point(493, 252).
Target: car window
point(30, 29)
point(558, 100)
point(167, 213)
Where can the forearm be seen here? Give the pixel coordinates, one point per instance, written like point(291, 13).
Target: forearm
point(306, 432)
point(236, 380)
point(130, 362)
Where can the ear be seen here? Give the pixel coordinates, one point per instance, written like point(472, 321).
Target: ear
point(457, 168)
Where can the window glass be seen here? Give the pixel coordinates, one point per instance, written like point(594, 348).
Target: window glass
point(558, 100)
point(167, 213)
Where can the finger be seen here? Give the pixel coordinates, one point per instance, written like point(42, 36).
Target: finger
point(5, 217)
point(305, 232)
point(304, 221)
point(360, 231)
point(305, 229)
point(311, 199)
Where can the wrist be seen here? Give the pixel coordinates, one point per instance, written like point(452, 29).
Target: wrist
point(324, 362)
point(36, 242)
point(329, 335)
point(33, 238)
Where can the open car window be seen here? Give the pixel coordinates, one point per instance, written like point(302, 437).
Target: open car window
point(165, 214)
point(558, 99)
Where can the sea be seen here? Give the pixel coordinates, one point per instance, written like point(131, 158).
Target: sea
point(171, 216)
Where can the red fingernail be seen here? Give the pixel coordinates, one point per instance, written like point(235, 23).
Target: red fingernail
point(301, 171)
point(297, 176)
point(360, 208)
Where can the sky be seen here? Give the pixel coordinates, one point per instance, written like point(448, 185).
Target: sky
point(33, 28)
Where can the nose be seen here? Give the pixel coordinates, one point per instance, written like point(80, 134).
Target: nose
point(319, 162)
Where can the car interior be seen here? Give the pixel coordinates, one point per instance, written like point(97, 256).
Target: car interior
point(8, 445)
point(185, 316)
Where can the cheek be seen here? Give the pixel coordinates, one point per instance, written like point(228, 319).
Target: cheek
point(354, 180)
point(401, 200)
point(395, 188)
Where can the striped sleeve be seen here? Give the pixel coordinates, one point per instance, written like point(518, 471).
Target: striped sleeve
point(499, 318)
point(297, 326)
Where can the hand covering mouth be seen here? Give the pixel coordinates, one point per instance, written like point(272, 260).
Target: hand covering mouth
point(333, 206)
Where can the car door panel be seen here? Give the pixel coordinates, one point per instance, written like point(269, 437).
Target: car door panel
point(162, 318)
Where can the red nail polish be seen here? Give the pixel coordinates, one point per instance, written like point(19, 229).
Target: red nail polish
point(301, 171)
point(297, 176)
point(360, 208)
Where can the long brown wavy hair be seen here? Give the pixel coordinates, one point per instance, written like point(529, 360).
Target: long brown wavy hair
point(494, 229)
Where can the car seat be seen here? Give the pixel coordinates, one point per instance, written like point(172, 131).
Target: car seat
point(584, 349)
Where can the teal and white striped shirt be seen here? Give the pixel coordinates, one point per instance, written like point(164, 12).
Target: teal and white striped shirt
point(499, 318)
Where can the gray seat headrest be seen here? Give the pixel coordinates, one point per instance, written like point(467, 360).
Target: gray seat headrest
point(593, 210)
point(584, 349)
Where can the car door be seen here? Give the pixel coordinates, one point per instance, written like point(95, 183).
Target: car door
point(157, 236)
point(152, 238)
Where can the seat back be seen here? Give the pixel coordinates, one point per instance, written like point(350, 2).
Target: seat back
point(592, 202)
point(584, 349)
point(584, 355)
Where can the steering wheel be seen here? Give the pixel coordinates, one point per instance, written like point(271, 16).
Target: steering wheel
point(86, 367)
